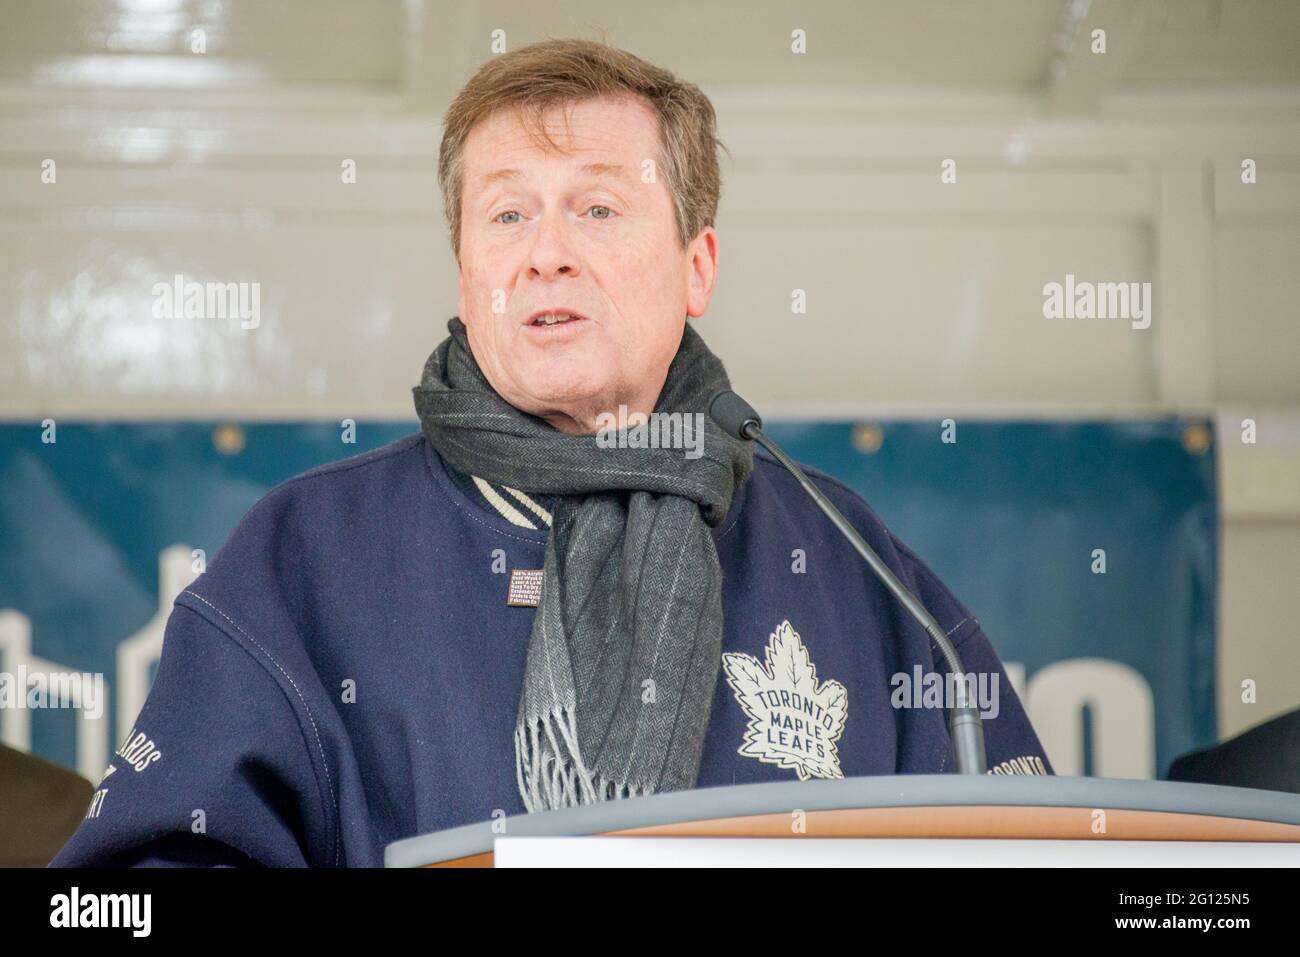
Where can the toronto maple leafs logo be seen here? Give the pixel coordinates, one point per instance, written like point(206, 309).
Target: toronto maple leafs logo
point(793, 721)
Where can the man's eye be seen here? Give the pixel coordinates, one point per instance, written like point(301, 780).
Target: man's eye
point(607, 212)
point(509, 212)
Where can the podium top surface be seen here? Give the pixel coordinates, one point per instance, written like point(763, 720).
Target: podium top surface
point(919, 790)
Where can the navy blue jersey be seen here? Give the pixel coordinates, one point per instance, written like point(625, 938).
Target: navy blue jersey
point(347, 670)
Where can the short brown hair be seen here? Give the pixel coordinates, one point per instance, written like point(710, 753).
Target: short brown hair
point(552, 73)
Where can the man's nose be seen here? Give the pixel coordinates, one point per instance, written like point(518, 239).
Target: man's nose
point(552, 251)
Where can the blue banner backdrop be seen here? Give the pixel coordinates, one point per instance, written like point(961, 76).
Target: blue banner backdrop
point(1087, 549)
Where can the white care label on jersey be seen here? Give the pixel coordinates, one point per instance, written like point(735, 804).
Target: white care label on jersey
point(525, 588)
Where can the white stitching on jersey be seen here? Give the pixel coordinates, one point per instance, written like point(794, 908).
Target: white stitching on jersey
point(325, 763)
point(492, 528)
point(456, 496)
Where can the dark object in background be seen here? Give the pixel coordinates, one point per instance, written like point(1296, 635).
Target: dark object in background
point(41, 804)
point(1267, 757)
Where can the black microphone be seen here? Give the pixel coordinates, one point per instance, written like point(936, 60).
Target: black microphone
point(737, 417)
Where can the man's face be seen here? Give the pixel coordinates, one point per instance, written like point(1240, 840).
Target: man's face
point(578, 231)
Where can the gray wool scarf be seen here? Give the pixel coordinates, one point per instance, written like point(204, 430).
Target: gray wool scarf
point(626, 643)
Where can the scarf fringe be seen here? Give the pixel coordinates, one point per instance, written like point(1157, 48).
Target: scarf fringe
point(550, 771)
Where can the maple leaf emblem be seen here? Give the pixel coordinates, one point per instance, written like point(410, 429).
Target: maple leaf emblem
point(793, 721)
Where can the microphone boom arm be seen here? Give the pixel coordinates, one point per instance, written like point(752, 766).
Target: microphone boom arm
point(964, 722)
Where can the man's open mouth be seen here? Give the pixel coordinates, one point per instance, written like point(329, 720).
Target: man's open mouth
point(558, 317)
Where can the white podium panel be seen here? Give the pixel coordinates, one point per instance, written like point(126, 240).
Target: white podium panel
point(883, 852)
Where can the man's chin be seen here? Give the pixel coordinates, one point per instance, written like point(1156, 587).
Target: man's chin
point(562, 401)
point(565, 385)
point(571, 404)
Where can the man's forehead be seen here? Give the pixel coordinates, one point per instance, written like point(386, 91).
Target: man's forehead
point(502, 148)
point(508, 174)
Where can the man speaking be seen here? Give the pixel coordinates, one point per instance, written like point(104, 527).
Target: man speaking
point(510, 611)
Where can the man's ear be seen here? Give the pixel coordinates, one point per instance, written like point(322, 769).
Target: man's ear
point(703, 265)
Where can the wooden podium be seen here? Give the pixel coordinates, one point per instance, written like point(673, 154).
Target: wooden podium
point(902, 806)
